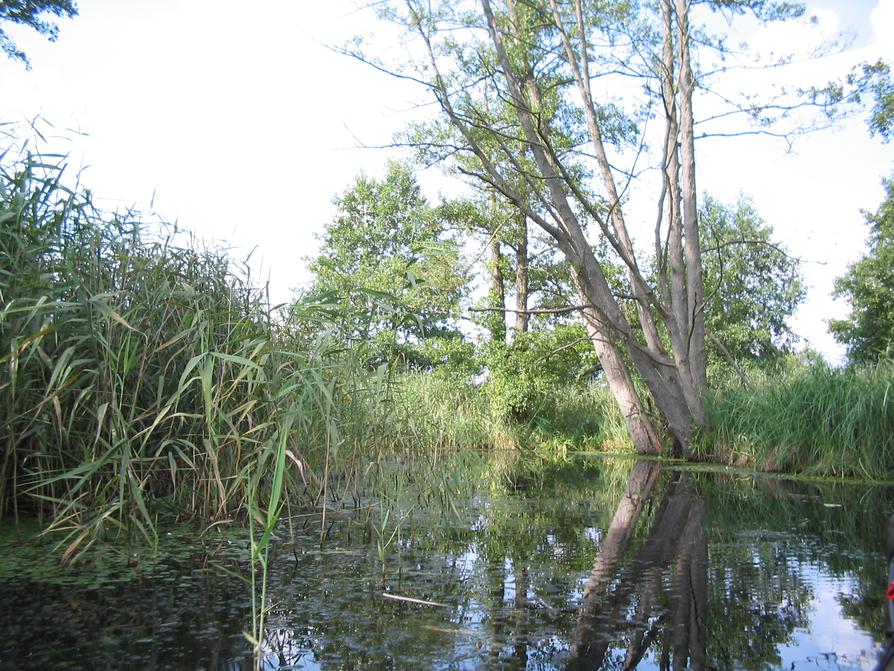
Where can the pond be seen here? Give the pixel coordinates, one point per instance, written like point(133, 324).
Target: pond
point(590, 564)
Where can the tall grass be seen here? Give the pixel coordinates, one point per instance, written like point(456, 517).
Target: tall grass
point(584, 416)
point(444, 413)
point(812, 419)
point(145, 380)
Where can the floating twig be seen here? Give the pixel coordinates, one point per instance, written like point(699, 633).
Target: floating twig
point(409, 599)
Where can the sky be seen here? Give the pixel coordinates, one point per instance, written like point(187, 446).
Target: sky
point(242, 126)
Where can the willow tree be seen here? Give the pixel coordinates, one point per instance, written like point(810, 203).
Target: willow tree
point(565, 157)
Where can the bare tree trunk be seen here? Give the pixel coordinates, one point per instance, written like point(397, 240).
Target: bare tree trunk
point(694, 284)
point(591, 280)
point(642, 432)
point(521, 278)
point(496, 322)
point(680, 329)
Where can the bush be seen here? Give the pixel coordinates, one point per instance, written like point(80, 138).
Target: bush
point(523, 376)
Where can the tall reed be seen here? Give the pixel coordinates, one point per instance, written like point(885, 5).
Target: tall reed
point(145, 379)
point(816, 420)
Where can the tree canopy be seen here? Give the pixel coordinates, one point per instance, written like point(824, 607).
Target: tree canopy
point(753, 286)
point(558, 107)
point(31, 13)
point(389, 259)
point(868, 332)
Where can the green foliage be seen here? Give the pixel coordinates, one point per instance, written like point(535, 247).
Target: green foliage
point(444, 413)
point(868, 284)
point(866, 80)
point(583, 416)
point(807, 419)
point(145, 381)
point(752, 285)
point(387, 259)
point(523, 375)
point(446, 356)
point(29, 13)
point(878, 78)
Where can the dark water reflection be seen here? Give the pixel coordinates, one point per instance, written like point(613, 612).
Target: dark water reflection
point(595, 565)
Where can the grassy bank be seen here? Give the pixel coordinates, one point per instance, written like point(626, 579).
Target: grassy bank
point(811, 419)
point(445, 413)
point(804, 419)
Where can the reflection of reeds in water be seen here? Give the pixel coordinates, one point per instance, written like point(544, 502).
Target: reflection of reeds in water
point(146, 381)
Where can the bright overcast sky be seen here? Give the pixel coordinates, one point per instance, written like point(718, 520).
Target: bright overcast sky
point(244, 125)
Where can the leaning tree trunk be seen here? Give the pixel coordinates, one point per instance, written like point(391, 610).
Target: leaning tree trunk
point(548, 193)
point(669, 382)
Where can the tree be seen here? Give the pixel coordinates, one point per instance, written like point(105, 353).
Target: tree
point(563, 151)
point(387, 258)
point(868, 332)
point(30, 13)
point(866, 80)
point(752, 285)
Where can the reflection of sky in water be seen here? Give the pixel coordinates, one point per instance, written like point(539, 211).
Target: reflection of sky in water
point(476, 633)
point(831, 637)
point(512, 578)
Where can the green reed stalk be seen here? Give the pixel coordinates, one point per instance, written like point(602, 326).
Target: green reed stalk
point(815, 420)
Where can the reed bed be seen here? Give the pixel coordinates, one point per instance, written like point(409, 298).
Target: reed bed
point(813, 419)
point(147, 380)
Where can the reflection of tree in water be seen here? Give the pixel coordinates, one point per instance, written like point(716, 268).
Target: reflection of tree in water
point(584, 569)
point(558, 581)
point(830, 527)
point(530, 557)
point(665, 597)
point(628, 607)
point(763, 597)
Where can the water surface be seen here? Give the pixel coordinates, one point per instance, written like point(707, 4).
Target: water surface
point(590, 564)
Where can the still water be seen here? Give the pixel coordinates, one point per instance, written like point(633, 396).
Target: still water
point(591, 564)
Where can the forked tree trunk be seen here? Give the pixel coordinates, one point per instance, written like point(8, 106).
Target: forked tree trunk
point(556, 203)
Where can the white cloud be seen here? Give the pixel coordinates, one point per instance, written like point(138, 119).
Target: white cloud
point(882, 20)
point(800, 37)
